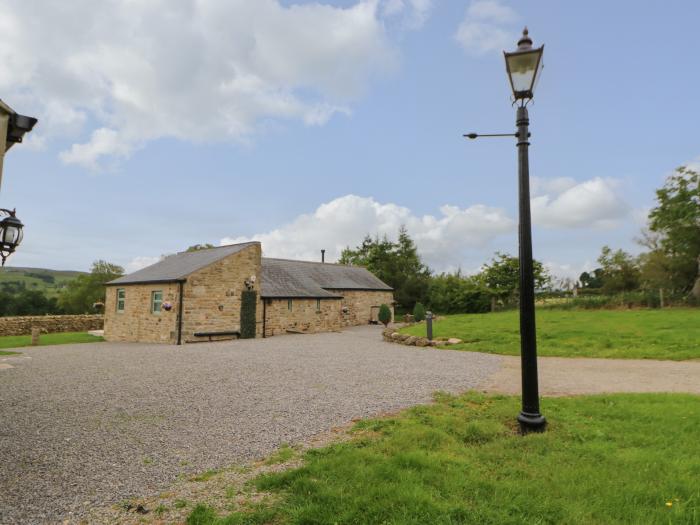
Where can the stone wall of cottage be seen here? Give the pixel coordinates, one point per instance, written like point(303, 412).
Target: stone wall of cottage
point(356, 308)
point(302, 315)
point(137, 322)
point(213, 295)
point(22, 325)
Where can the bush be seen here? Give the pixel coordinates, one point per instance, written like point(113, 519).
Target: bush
point(419, 312)
point(384, 314)
point(249, 299)
point(635, 299)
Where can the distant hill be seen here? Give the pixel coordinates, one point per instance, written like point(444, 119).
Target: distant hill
point(51, 282)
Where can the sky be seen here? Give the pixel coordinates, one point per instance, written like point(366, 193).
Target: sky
point(308, 125)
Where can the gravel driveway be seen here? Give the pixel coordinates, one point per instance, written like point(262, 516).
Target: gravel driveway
point(85, 425)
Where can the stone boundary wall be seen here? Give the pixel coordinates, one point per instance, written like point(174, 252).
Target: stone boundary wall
point(22, 325)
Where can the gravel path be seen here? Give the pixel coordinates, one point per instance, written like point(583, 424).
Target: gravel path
point(91, 424)
point(566, 376)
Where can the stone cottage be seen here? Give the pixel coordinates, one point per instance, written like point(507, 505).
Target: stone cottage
point(196, 296)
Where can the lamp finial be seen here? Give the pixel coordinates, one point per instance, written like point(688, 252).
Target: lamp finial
point(525, 41)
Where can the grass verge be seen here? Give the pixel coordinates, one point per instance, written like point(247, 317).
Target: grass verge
point(672, 334)
point(18, 341)
point(627, 459)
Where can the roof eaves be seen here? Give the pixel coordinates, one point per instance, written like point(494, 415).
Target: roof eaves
point(158, 281)
point(388, 289)
point(285, 296)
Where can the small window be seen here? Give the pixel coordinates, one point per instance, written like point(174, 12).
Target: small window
point(156, 301)
point(289, 305)
point(318, 305)
point(121, 299)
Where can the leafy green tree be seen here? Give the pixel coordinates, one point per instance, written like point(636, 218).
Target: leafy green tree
point(248, 306)
point(87, 289)
point(593, 279)
point(620, 271)
point(419, 312)
point(197, 247)
point(27, 302)
point(502, 276)
point(384, 314)
point(452, 293)
point(676, 218)
point(396, 263)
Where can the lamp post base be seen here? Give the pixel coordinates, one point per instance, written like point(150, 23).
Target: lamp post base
point(531, 422)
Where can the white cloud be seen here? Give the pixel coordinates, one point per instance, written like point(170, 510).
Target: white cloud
point(102, 142)
point(487, 27)
point(442, 240)
point(541, 186)
point(453, 238)
point(560, 271)
point(413, 13)
point(196, 70)
point(694, 164)
point(445, 240)
point(590, 204)
point(138, 263)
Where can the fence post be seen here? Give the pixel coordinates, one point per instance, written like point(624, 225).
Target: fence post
point(36, 331)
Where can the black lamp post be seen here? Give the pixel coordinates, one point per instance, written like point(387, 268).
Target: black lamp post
point(524, 66)
point(10, 233)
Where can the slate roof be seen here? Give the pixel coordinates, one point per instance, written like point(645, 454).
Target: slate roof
point(281, 278)
point(177, 267)
point(284, 278)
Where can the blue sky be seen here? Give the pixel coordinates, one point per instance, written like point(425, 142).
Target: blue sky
point(307, 125)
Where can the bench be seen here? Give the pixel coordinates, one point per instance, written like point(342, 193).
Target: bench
point(236, 333)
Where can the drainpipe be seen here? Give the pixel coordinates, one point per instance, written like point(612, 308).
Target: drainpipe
point(180, 313)
point(323, 256)
point(264, 301)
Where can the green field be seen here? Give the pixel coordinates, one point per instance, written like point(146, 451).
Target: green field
point(615, 459)
point(643, 334)
point(17, 341)
point(51, 282)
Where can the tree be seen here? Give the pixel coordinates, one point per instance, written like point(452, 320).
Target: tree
point(27, 302)
point(396, 263)
point(87, 289)
point(620, 271)
point(676, 219)
point(197, 247)
point(419, 312)
point(384, 314)
point(502, 276)
point(452, 293)
point(593, 279)
point(249, 300)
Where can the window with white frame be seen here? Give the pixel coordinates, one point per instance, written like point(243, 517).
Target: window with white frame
point(156, 301)
point(289, 305)
point(121, 299)
point(318, 305)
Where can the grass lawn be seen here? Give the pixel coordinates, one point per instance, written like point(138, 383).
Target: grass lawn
point(641, 334)
point(632, 458)
point(17, 341)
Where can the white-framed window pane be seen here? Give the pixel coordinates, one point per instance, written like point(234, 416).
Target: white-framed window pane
point(318, 305)
point(121, 299)
point(289, 305)
point(156, 301)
